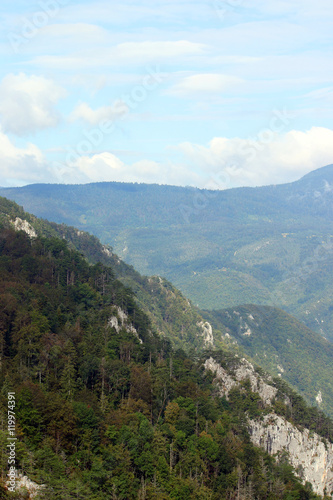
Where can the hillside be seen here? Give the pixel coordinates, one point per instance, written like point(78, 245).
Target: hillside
point(270, 245)
point(105, 408)
point(174, 317)
point(171, 314)
point(283, 346)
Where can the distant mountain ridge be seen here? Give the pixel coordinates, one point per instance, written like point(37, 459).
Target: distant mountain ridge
point(271, 245)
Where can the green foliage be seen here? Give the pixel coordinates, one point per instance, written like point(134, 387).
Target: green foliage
point(242, 264)
point(102, 415)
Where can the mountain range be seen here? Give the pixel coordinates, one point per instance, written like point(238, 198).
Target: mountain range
point(270, 245)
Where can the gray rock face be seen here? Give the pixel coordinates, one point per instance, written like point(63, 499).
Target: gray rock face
point(24, 484)
point(120, 320)
point(308, 452)
point(23, 225)
point(245, 370)
point(207, 332)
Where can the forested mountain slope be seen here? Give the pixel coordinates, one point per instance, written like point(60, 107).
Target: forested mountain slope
point(270, 245)
point(171, 314)
point(307, 362)
point(283, 346)
point(105, 408)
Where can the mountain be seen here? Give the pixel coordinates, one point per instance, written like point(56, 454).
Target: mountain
point(105, 408)
point(174, 317)
point(315, 184)
point(270, 245)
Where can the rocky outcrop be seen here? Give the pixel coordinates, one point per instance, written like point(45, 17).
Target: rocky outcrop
point(310, 454)
point(207, 332)
point(23, 225)
point(24, 486)
point(245, 370)
point(120, 320)
point(106, 250)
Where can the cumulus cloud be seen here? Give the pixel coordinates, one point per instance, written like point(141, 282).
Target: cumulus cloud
point(224, 163)
point(27, 103)
point(21, 165)
point(108, 167)
point(268, 158)
point(84, 112)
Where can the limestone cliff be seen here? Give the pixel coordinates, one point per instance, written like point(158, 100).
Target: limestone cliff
point(309, 454)
point(120, 320)
point(207, 332)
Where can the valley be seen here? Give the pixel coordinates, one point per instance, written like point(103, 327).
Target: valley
point(268, 246)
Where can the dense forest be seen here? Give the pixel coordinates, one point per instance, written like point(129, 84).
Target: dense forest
point(106, 408)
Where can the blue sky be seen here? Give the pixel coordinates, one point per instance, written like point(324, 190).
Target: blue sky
point(211, 94)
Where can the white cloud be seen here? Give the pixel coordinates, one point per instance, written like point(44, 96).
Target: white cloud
point(139, 52)
point(108, 167)
point(84, 112)
point(204, 83)
point(27, 103)
point(268, 159)
point(282, 50)
point(159, 49)
point(223, 164)
point(75, 31)
point(21, 165)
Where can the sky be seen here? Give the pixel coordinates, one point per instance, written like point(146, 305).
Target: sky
point(213, 94)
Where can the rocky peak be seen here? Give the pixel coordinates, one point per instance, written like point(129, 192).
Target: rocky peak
point(207, 332)
point(119, 320)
